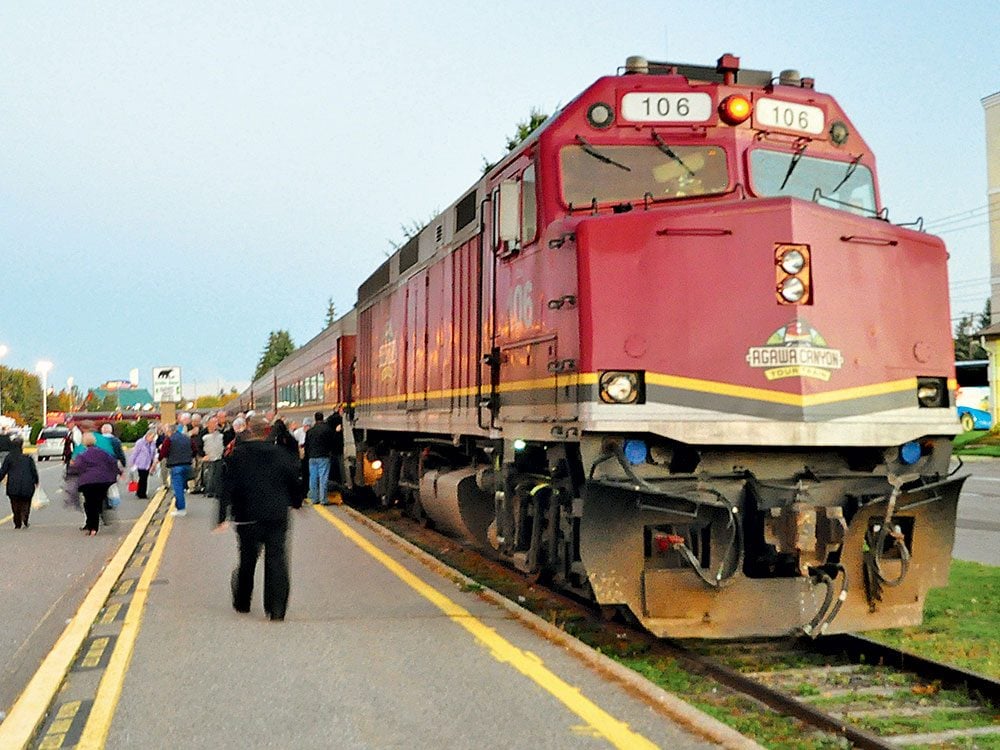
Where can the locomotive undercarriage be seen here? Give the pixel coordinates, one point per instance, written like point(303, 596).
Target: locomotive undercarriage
point(707, 542)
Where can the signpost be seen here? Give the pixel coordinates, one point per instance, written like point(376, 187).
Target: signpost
point(166, 384)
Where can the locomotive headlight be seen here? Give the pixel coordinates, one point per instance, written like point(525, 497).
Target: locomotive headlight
point(792, 261)
point(932, 392)
point(617, 387)
point(600, 115)
point(792, 289)
point(792, 274)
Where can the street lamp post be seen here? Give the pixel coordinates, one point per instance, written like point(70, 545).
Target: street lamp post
point(43, 368)
point(69, 390)
point(3, 353)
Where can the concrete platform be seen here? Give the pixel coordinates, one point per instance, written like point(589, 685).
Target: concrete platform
point(377, 651)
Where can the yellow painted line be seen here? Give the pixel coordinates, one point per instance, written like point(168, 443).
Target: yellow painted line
point(109, 691)
point(29, 709)
point(611, 729)
point(5, 519)
point(778, 397)
point(673, 381)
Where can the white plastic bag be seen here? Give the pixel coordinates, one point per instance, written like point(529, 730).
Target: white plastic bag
point(39, 499)
point(114, 496)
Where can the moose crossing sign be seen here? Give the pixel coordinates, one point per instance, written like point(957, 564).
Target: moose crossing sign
point(166, 384)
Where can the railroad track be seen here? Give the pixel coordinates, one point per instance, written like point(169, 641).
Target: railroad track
point(872, 695)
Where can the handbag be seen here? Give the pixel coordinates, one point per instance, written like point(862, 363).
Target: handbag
point(40, 499)
point(114, 496)
point(133, 486)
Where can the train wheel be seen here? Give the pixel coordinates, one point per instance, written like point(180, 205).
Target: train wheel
point(968, 423)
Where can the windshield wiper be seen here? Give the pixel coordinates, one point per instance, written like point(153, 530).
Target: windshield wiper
point(850, 170)
point(598, 155)
point(662, 145)
point(793, 163)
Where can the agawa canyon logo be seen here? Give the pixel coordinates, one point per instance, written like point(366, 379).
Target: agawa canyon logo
point(387, 355)
point(796, 350)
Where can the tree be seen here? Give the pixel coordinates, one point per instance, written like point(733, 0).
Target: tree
point(967, 329)
point(61, 401)
point(20, 394)
point(331, 313)
point(986, 316)
point(279, 346)
point(523, 129)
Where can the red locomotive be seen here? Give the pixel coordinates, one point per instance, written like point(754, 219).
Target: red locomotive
point(670, 354)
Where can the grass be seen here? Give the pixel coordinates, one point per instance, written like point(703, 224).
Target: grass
point(938, 721)
point(961, 622)
point(977, 443)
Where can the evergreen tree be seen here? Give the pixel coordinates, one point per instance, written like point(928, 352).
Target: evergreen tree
point(967, 329)
point(526, 127)
point(986, 316)
point(331, 313)
point(523, 129)
point(279, 346)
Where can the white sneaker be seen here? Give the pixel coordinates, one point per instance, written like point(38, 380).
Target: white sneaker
point(178, 512)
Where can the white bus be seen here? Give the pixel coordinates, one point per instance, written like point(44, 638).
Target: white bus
point(973, 395)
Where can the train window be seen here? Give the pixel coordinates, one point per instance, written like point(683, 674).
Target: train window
point(848, 186)
point(627, 174)
point(529, 206)
point(465, 211)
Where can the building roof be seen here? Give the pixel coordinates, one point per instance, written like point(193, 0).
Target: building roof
point(127, 398)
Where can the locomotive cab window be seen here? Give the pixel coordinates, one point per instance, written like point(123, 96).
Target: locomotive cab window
point(627, 174)
point(529, 206)
point(847, 185)
point(515, 213)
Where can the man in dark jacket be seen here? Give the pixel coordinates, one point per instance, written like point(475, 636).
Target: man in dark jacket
point(338, 472)
point(259, 484)
point(178, 453)
point(22, 479)
point(319, 448)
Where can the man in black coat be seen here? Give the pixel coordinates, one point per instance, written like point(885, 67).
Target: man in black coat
point(260, 481)
point(338, 469)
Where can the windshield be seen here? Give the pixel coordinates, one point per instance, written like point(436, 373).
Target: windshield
point(847, 185)
point(626, 174)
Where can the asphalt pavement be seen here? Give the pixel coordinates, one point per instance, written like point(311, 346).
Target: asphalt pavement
point(977, 531)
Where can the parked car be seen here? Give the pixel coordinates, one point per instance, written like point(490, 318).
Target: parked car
point(50, 443)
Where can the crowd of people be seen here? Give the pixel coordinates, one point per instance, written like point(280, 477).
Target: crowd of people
point(258, 467)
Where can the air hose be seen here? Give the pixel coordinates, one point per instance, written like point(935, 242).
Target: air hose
point(874, 546)
point(826, 614)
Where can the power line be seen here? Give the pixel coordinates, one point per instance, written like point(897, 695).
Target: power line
point(959, 229)
point(972, 213)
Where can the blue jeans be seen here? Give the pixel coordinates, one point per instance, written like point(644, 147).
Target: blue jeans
point(319, 475)
point(178, 482)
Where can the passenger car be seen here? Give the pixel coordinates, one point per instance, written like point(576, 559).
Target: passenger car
point(50, 443)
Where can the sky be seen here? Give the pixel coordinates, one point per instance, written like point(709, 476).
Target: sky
point(179, 179)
